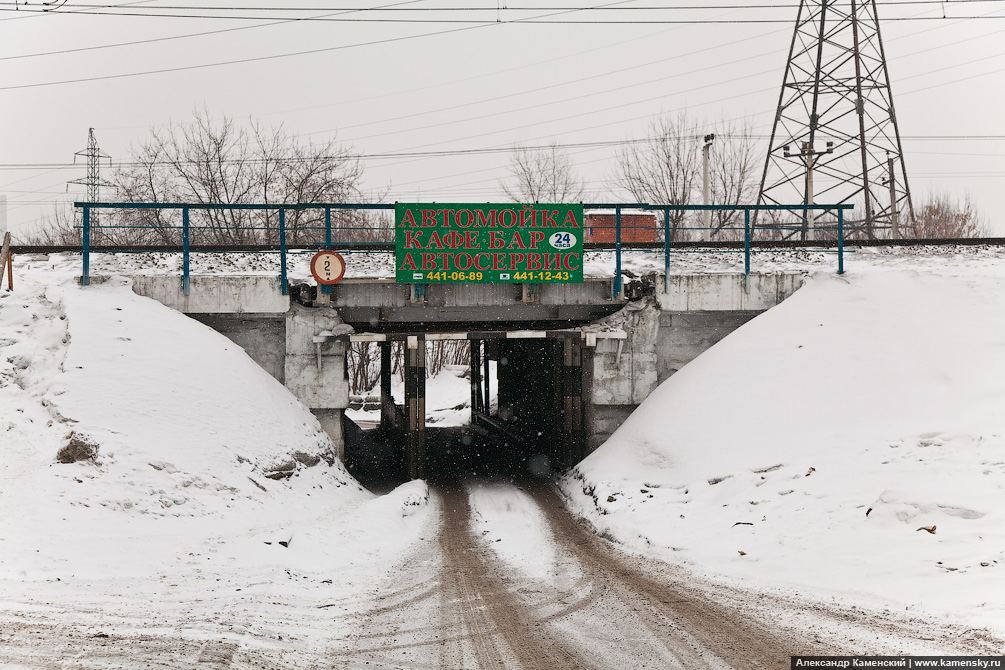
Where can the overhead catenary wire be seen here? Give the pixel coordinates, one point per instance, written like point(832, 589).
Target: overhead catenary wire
point(505, 149)
point(154, 40)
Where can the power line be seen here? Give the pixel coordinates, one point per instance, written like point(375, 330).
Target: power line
point(508, 149)
point(254, 59)
point(154, 40)
point(496, 21)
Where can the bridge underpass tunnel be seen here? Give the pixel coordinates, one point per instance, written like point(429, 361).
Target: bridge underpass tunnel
point(534, 427)
point(524, 399)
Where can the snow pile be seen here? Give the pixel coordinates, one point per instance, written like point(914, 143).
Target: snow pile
point(821, 443)
point(199, 500)
point(155, 415)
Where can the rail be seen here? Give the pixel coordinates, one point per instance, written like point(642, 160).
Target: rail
point(360, 227)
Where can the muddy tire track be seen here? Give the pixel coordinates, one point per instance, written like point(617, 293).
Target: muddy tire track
point(497, 621)
point(696, 630)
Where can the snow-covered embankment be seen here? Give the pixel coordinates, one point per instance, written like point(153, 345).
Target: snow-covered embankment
point(812, 446)
point(201, 484)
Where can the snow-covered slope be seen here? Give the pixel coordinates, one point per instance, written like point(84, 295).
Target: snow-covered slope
point(211, 487)
point(183, 422)
point(811, 445)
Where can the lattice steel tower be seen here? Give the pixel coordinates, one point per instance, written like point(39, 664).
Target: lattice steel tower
point(93, 180)
point(835, 137)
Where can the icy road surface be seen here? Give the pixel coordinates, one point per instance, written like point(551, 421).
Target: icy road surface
point(499, 576)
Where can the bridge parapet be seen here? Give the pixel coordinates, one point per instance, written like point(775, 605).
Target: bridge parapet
point(716, 292)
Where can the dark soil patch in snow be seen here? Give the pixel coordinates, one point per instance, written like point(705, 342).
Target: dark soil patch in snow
point(79, 448)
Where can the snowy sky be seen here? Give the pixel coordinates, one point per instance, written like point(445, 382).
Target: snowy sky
point(419, 81)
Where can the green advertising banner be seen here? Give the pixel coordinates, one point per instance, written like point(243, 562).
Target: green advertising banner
point(436, 243)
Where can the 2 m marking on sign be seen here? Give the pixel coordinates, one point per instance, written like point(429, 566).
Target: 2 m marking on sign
point(328, 267)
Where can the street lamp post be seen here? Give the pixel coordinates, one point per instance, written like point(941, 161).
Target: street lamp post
point(706, 233)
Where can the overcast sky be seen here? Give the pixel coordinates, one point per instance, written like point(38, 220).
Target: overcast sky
point(467, 80)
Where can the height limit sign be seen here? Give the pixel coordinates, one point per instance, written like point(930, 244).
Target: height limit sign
point(327, 267)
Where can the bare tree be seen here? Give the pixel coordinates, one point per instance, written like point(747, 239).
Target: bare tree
point(363, 364)
point(206, 161)
point(942, 216)
point(542, 175)
point(664, 168)
point(56, 229)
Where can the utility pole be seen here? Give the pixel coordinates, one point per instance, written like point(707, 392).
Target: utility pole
point(706, 233)
point(837, 86)
point(894, 213)
point(809, 158)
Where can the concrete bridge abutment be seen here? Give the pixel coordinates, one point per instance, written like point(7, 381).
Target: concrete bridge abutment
point(598, 382)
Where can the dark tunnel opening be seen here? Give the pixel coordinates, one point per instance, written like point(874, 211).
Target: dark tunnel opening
point(532, 426)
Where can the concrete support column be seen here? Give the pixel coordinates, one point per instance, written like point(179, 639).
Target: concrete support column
point(331, 422)
point(572, 401)
point(415, 406)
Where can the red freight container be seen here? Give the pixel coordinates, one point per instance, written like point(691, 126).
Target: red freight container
point(635, 227)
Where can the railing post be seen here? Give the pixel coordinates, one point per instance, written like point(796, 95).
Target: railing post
point(746, 249)
point(840, 240)
point(666, 249)
point(283, 282)
point(326, 289)
point(328, 227)
point(85, 276)
point(185, 267)
point(617, 252)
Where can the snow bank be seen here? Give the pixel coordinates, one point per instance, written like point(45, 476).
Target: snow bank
point(171, 419)
point(811, 445)
point(206, 503)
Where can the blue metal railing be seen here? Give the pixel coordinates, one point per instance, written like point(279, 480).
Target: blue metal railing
point(617, 243)
point(187, 228)
point(837, 228)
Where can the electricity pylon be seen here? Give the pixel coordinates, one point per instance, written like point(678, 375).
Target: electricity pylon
point(93, 180)
point(835, 137)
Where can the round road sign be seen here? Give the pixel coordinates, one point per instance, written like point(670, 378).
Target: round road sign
point(327, 267)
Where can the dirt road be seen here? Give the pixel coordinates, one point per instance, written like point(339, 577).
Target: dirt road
point(456, 604)
point(502, 576)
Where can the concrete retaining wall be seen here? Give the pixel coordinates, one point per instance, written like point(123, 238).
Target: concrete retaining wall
point(263, 337)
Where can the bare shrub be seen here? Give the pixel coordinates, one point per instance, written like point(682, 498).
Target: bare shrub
point(941, 216)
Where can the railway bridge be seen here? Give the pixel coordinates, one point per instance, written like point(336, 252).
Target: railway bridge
point(572, 361)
